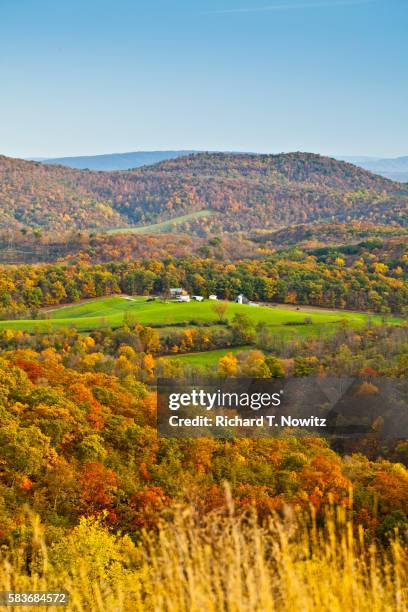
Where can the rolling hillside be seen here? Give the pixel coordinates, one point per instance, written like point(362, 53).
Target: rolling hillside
point(247, 192)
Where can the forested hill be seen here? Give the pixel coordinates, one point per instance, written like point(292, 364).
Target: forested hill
point(245, 191)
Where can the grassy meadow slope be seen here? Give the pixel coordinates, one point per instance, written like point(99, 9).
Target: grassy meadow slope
point(164, 226)
point(116, 311)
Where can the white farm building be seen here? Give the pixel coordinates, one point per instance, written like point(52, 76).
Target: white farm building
point(176, 291)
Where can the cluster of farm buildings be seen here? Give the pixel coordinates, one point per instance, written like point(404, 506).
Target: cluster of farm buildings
point(181, 295)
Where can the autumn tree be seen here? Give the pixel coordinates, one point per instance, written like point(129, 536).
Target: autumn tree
point(220, 309)
point(228, 365)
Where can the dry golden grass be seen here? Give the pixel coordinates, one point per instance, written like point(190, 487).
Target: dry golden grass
point(224, 563)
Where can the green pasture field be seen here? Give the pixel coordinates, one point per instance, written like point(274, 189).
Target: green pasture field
point(163, 226)
point(115, 311)
point(208, 358)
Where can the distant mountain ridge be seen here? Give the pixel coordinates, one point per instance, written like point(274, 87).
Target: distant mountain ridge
point(393, 168)
point(241, 191)
point(115, 161)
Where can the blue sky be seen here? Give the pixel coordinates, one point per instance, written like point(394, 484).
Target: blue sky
point(97, 76)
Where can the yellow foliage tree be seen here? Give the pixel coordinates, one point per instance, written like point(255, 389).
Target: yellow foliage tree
point(228, 365)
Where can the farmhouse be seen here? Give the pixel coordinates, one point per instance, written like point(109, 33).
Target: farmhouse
point(241, 299)
point(179, 294)
point(197, 298)
point(176, 291)
point(212, 297)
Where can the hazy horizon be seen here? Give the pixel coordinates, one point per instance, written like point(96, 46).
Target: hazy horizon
point(184, 150)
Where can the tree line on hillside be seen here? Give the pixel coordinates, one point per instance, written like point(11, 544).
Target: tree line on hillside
point(320, 234)
point(36, 246)
point(355, 240)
